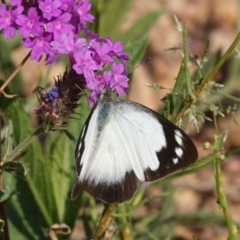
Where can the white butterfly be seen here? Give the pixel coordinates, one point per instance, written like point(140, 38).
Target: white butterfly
point(123, 142)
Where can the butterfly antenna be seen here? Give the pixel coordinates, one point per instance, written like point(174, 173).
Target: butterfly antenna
point(139, 65)
point(143, 62)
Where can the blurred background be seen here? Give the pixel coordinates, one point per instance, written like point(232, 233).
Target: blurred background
point(217, 21)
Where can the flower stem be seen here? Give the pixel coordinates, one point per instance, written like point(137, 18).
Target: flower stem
point(222, 202)
point(14, 73)
point(105, 220)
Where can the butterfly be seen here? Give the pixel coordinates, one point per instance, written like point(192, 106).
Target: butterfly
point(123, 142)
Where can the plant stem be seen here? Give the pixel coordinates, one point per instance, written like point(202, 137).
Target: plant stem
point(126, 232)
point(222, 202)
point(14, 73)
point(105, 220)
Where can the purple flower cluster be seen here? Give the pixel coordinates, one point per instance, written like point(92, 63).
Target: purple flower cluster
point(52, 27)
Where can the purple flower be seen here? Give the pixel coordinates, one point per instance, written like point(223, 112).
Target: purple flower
point(7, 19)
point(39, 45)
point(29, 24)
point(84, 62)
point(52, 94)
point(16, 2)
point(115, 80)
point(50, 8)
point(119, 79)
point(69, 43)
point(95, 83)
point(51, 57)
point(66, 4)
point(116, 49)
point(50, 27)
point(60, 25)
point(100, 52)
point(90, 34)
point(82, 8)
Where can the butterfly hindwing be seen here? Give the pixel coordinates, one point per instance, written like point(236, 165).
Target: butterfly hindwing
point(122, 142)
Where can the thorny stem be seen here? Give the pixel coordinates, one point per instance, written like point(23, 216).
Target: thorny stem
point(105, 220)
point(13, 75)
point(208, 78)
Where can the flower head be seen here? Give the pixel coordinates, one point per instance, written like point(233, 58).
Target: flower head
point(61, 101)
point(30, 24)
point(50, 8)
point(52, 27)
point(82, 8)
point(8, 18)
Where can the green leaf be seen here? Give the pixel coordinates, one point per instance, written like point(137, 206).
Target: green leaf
point(136, 52)
point(140, 29)
point(25, 219)
point(15, 166)
point(75, 127)
point(23, 205)
point(60, 172)
point(5, 194)
point(111, 16)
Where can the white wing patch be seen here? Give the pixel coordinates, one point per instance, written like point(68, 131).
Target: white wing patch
point(175, 160)
point(120, 140)
point(179, 152)
point(178, 137)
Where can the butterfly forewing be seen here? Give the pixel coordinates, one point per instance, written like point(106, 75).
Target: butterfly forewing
point(123, 142)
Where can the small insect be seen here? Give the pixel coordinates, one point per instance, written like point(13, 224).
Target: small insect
point(123, 142)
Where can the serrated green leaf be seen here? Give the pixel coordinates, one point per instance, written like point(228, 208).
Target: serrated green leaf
point(140, 29)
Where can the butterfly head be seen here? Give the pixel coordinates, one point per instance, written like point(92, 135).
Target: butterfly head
point(106, 94)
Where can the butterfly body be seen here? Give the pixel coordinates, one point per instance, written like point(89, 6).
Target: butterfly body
point(123, 142)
